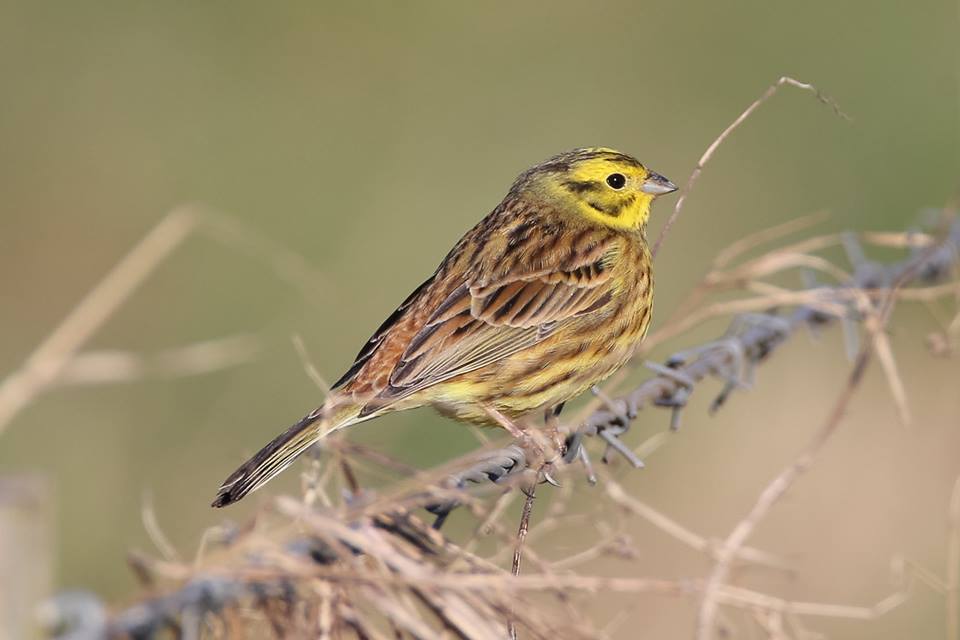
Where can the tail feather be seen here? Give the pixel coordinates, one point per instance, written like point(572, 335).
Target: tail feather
point(280, 453)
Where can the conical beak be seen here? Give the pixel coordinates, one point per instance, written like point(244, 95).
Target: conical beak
point(657, 185)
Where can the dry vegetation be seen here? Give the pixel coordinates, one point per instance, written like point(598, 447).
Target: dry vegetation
point(344, 560)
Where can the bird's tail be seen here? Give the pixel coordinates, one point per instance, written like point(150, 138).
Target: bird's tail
point(282, 450)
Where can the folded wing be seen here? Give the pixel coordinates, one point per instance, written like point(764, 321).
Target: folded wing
point(482, 322)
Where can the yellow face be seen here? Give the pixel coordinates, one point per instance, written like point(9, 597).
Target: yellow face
point(603, 185)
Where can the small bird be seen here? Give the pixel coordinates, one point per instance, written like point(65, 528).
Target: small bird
point(542, 299)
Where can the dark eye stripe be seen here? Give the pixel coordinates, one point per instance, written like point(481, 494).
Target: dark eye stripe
point(583, 186)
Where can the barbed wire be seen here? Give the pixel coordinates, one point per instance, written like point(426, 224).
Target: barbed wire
point(331, 548)
point(733, 357)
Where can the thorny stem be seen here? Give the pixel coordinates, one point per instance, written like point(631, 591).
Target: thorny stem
point(770, 495)
point(733, 356)
point(786, 478)
point(740, 534)
point(708, 154)
point(521, 538)
point(524, 528)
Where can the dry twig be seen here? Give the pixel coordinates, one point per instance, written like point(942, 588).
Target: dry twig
point(708, 154)
point(370, 568)
point(49, 359)
point(320, 582)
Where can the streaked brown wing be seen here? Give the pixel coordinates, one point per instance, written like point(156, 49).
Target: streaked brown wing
point(479, 324)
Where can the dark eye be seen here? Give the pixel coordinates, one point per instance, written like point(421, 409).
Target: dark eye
point(616, 180)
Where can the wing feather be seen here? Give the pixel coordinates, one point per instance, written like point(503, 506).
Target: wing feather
point(479, 324)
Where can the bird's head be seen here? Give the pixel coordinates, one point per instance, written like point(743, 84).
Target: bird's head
point(602, 185)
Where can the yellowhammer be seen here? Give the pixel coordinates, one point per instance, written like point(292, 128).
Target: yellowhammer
point(544, 298)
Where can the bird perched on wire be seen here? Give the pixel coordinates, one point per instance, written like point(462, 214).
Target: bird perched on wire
point(544, 298)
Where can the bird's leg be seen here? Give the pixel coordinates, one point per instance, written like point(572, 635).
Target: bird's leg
point(529, 439)
point(542, 448)
point(556, 440)
point(551, 419)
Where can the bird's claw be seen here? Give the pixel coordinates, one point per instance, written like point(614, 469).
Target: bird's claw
point(549, 479)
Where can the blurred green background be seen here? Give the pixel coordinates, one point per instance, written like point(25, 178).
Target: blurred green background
point(367, 137)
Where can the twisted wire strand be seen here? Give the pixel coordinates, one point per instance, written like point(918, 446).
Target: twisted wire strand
point(751, 340)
